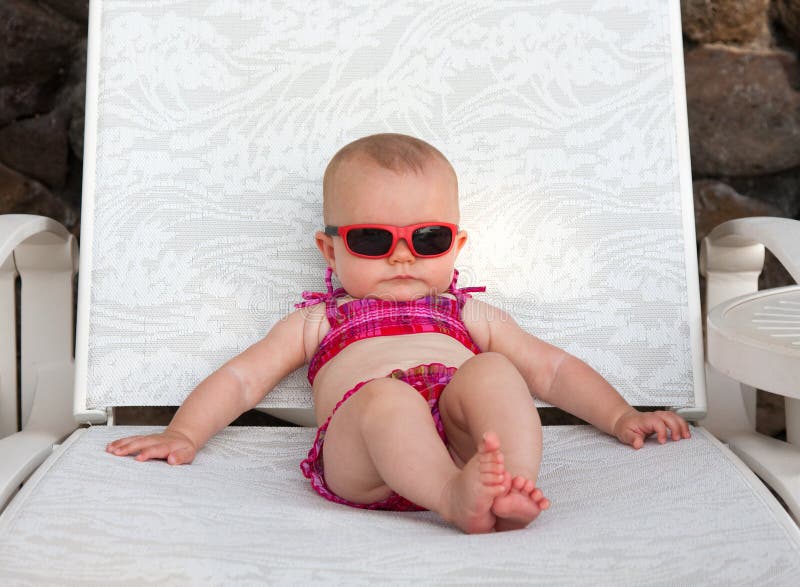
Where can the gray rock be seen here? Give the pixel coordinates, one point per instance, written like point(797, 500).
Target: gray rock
point(781, 190)
point(34, 43)
point(716, 202)
point(36, 51)
point(73, 98)
point(37, 147)
point(77, 10)
point(76, 122)
point(21, 195)
point(744, 111)
point(18, 100)
point(788, 13)
point(726, 21)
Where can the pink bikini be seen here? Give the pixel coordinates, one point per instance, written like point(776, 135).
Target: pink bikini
point(367, 318)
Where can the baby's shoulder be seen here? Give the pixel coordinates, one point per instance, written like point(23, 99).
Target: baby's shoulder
point(315, 327)
point(476, 310)
point(483, 321)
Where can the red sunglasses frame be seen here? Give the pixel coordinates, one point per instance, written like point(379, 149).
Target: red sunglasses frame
point(405, 233)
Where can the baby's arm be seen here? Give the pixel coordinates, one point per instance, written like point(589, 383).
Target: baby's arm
point(237, 386)
point(560, 379)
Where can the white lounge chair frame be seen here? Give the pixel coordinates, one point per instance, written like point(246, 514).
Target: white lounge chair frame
point(44, 256)
point(686, 512)
point(754, 342)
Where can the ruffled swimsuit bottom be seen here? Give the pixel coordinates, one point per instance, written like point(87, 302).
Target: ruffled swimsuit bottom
point(429, 380)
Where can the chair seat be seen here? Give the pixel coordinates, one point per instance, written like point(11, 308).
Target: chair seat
point(683, 513)
point(755, 339)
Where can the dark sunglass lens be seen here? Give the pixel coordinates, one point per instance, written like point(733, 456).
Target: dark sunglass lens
point(432, 240)
point(369, 241)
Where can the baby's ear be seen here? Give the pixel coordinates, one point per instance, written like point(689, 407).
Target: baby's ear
point(461, 240)
point(325, 245)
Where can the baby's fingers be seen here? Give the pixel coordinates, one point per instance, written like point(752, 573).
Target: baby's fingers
point(125, 446)
point(675, 428)
point(156, 451)
point(136, 444)
point(681, 429)
point(634, 438)
point(180, 456)
point(660, 429)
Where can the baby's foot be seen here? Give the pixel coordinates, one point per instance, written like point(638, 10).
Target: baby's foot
point(519, 506)
point(469, 495)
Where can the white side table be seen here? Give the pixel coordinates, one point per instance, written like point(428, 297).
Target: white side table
point(753, 341)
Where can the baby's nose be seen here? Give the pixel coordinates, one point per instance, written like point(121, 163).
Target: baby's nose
point(402, 252)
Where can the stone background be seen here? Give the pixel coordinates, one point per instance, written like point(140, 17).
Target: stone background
point(743, 93)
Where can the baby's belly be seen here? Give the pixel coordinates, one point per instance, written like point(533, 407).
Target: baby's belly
point(377, 357)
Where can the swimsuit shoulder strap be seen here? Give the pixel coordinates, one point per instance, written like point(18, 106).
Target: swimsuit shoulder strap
point(462, 293)
point(329, 297)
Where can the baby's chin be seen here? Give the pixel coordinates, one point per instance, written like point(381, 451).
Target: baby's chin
point(402, 292)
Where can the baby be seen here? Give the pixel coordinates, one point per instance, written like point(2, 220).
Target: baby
point(422, 393)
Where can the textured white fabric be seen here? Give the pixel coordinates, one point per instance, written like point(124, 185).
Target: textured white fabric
point(242, 513)
point(216, 119)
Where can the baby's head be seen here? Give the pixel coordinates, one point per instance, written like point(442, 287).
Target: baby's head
point(398, 181)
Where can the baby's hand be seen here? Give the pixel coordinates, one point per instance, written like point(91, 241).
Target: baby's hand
point(173, 446)
point(634, 426)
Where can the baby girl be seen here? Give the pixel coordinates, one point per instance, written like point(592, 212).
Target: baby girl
point(423, 394)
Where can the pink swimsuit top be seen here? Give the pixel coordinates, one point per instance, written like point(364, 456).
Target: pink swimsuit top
point(369, 317)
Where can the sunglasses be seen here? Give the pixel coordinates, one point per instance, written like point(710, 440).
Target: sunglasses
point(374, 241)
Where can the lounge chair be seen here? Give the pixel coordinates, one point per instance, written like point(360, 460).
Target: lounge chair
point(208, 126)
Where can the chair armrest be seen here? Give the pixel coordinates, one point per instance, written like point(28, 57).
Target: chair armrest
point(16, 229)
point(50, 421)
point(20, 455)
point(45, 256)
point(732, 255)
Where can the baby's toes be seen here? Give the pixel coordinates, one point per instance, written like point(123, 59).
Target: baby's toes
point(492, 473)
point(491, 479)
point(494, 457)
point(491, 467)
point(538, 497)
point(489, 443)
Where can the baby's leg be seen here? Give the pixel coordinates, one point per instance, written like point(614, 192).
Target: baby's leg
point(383, 439)
point(488, 393)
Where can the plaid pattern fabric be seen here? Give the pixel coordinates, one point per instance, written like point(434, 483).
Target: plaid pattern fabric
point(368, 317)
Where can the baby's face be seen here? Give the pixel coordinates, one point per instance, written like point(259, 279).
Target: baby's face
point(362, 192)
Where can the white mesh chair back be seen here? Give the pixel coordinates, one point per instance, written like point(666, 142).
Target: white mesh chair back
point(210, 124)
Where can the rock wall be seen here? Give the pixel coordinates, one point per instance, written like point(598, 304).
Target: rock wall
point(743, 97)
point(742, 81)
point(42, 88)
